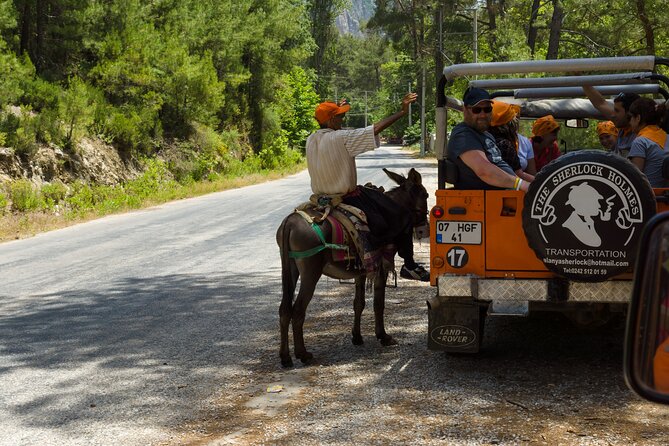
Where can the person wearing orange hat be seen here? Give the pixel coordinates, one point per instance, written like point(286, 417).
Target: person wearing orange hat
point(544, 140)
point(608, 136)
point(474, 151)
point(331, 153)
point(617, 113)
point(504, 127)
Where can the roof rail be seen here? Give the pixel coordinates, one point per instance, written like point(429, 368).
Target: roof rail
point(564, 81)
point(553, 66)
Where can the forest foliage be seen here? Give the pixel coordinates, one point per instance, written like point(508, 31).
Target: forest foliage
point(239, 79)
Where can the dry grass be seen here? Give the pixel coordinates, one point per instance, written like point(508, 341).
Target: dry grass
point(14, 226)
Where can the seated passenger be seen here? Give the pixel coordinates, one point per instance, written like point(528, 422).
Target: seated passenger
point(473, 149)
point(616, 113)
point(331, 153)
point(526, 155)
point(504, 127)
point(651, 144)
point(544, 141)
point(608, 137)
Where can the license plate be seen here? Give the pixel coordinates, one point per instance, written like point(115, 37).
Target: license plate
point(460, 232)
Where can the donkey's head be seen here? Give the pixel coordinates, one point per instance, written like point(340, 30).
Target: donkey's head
point(411, 194)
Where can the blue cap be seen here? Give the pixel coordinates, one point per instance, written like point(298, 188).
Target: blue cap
point(475, 95)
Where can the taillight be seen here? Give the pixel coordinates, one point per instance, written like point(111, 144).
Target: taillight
point(437, 212)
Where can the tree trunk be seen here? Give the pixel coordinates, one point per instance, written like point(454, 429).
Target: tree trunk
point(531, 28)
point(322, 19)
point(555, 30)
point(41, 16)
point(25, 21)
point(647, 26)
point(492, 25)
point(438, 55)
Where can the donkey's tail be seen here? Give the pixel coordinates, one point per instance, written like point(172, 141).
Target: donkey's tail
point(288, 266)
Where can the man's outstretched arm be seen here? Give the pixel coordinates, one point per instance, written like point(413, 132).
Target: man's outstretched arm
point(390, 120)
point(598, 101)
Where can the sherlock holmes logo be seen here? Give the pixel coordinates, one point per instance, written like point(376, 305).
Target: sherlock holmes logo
point(588, 217)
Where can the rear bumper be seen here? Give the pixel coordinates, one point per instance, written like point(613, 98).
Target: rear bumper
point(533, 290)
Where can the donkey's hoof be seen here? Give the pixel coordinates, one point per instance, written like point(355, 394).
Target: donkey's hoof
point(387, 340)
point(286, 362)
point(305, 357)
point(357, 340)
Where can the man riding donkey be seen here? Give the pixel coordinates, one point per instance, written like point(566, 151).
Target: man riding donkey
point(331, 153)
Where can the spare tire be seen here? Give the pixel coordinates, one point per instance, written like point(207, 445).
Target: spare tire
point(584, 213)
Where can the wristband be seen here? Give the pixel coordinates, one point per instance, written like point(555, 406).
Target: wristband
point(519, 183)
point(515, 183)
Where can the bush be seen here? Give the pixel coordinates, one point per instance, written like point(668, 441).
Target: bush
point(3, 202)
point(412, 134)
point(53, 194)
point(155, 177)
point(278, 155)
point(41, 95)
point(24, 196)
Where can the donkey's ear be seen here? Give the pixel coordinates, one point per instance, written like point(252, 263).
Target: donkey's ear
point(414, 176)
point(396, 177)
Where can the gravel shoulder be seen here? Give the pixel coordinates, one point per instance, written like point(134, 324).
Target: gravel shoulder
point(538, 380)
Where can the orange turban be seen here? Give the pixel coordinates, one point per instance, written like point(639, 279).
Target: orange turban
point(503, 113)
point(326, 110)
point(606, 128)
point(544, 126)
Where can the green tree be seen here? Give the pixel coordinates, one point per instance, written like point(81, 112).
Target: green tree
point(297, 100)
point(76, 110)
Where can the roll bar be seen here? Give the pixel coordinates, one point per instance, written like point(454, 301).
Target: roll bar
point(552, 66)
point(577, 92)
point(565, 81)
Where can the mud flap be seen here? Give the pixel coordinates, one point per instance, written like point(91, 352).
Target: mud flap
point(455, 325)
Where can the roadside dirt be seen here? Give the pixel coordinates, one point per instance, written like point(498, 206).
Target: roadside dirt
point(538, 380)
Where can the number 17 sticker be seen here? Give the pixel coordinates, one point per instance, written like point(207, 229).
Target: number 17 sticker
point(457, 257)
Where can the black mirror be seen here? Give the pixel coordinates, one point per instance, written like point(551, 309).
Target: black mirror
point(646, 363)
point(577, 123)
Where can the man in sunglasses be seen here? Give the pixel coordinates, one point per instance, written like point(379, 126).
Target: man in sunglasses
point(473, 149)
point(618, 113)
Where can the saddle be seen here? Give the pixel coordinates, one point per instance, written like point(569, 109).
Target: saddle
point(350, 234)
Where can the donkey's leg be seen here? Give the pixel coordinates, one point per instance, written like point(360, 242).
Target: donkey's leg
point(379, 308)
point(358, 306)
point(310, 272)
point(289, 281)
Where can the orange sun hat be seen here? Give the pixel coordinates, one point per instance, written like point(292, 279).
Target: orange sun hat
point(544, 126)
point(607, 128)
point(502, 113)
point(326, 110)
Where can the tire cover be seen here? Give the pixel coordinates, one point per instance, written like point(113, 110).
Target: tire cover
point(584, 212)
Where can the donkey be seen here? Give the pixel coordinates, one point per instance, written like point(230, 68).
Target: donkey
point(296, 235)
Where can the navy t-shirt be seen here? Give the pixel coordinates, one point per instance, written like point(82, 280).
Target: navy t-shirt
point(463, 139)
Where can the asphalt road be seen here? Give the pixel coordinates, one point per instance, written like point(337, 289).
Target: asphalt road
point(126, 329)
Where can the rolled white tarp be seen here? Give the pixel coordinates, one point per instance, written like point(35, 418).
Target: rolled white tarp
point(551, 66)
point(577, 92)
point(563, 81)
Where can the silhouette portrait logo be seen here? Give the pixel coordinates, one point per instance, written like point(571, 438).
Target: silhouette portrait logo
point(584, 214)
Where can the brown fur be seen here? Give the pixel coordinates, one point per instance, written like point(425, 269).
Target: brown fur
point(295, 235)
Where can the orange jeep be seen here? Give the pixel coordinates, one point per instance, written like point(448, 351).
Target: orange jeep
point(500, 252)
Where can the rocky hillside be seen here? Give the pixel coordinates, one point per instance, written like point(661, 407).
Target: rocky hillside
point(92, 161)
point(350, 20)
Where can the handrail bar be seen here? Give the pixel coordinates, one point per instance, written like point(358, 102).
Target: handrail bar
point(563, 81)
point(551, 66)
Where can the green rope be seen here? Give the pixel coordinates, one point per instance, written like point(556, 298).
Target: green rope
point(317, 249)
